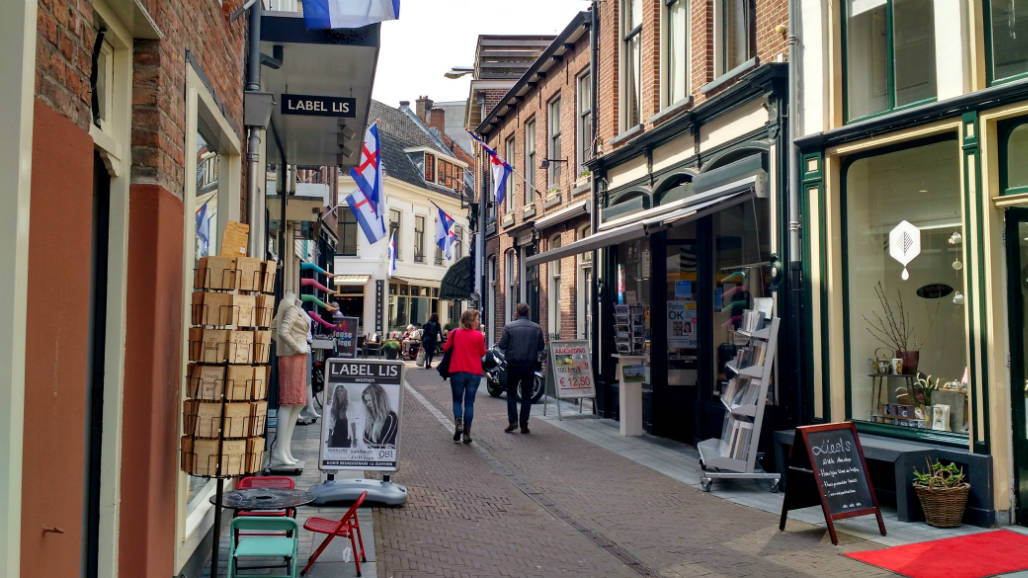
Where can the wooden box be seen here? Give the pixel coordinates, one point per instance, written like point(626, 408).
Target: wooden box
point(239, 382)
point(213, 309)
point(268, 270)
point(240, 348)
point(244, 307)
point(254, 455)
point(216, 273)
point(265, 305)
point(206, 381)
point(258, 415)
point(249, 272)
point(203, 419)
point(261, 345)
point(221, 345)
point(261, 374)
point(200, 457)
point(195, 343)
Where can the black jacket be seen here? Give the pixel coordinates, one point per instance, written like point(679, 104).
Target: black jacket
point(521, 342)
point(430, 332)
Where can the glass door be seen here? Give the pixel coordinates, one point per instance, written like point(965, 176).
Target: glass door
point(1017, 281)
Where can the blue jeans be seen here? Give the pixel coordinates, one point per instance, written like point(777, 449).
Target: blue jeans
point(464, 386)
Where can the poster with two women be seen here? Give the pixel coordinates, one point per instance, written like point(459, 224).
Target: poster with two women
point(360, 427)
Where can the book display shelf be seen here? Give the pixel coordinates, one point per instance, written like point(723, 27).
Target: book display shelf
point(734, 454)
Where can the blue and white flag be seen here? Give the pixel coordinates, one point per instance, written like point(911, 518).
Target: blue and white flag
point(445, 233)
point(392, 254)
point(325, 14)
point(501, 170)
point(373, 225)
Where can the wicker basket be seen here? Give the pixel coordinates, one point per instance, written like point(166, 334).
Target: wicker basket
point(943, 507)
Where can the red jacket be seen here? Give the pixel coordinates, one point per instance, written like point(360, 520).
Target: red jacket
point(469, 347)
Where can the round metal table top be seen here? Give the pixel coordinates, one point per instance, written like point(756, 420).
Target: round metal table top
point(264, 499)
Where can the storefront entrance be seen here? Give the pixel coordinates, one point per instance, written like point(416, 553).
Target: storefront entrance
point(1017, 291)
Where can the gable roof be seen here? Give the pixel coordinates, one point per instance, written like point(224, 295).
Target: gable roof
point(400, 129)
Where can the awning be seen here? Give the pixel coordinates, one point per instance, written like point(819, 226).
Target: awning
point(321, 81)
point(343, 280)
point(456, 283)
point(696, 211)
point(414, 281)
point(590, 243)
point(562, 215)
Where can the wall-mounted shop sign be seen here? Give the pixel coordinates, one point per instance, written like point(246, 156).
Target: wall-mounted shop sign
point(319, 105)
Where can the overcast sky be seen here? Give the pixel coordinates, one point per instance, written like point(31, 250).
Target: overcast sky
point(433, 35)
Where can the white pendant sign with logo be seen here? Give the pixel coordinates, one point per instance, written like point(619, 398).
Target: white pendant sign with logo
point(904, 245)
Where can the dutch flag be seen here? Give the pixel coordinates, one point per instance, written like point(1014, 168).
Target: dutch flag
point(445, 234)
point(501, 170)
point(392, 254)
point(326, 14)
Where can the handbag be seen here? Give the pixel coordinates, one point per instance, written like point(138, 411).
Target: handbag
point(420, 359)
point(444, 364)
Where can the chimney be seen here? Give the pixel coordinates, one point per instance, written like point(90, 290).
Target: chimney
point(404, 104)
point(423, 107)
point(438, 119)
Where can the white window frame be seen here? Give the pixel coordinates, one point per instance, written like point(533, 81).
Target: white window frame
point(192, 526)
point(553, 269)
point(553, 143)
point(583, 120)
point(510, 284)
point(490, 334)
point(668, 68)
point(627, 37)
point(530, 152)
point(582, 289)
point(721, 66)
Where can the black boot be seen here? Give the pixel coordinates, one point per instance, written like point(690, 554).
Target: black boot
point(458, 429)
point(467, 435)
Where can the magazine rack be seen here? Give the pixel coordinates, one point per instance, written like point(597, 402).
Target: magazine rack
point(734, 454)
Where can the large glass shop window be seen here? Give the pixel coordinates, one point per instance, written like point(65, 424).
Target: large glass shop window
point(632, 307)
point(905, 282)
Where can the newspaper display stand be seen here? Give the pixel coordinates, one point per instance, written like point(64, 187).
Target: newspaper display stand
point(360, 430)
point(734, 454)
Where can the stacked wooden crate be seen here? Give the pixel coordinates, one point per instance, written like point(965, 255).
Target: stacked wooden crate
point(227, 379)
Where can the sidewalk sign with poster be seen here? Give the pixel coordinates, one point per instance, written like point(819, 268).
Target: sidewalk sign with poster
point(346, 336)
point(681, 324)
point(570, 373)
point(360, 430)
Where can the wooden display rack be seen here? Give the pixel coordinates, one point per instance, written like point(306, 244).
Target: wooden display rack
point(734, 454)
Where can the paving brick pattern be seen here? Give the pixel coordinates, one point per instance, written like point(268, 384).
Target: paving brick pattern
point(552, 504)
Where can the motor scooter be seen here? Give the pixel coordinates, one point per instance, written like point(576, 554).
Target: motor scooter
point(494, 366)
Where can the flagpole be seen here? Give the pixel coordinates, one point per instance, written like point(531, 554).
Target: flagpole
point(513, 170)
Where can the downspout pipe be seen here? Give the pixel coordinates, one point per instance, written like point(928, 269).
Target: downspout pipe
point(795, 252)
point(594, 323)
point(254, 199)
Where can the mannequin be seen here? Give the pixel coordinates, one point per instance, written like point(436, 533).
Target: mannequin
point(308, 414)
point(289, 330)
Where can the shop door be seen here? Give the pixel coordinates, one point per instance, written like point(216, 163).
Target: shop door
point(1017, 281)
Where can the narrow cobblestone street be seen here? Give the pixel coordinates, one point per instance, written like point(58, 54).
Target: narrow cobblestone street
point(552, 504)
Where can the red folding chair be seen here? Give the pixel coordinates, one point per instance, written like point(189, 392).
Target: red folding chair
point(347, 527)
point(280, 482)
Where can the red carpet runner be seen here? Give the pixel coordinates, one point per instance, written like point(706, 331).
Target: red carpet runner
point(972, 556)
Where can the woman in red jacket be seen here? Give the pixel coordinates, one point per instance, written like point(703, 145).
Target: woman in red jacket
point(468, 346)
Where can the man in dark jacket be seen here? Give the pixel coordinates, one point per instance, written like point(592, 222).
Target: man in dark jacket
point(522, 341)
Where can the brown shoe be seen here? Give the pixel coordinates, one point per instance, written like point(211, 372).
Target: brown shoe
point(511, 428)
point(524, 429)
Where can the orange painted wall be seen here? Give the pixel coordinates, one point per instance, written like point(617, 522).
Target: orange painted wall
point(56, 345)
point(152, 376)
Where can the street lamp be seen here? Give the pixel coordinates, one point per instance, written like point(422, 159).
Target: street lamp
point(459, 71)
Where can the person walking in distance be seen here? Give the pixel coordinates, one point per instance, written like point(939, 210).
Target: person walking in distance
point(468, 345)
point(521, 342)
point(430, 333)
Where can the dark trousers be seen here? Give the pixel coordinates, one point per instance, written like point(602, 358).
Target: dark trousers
point(429, 352)
point(525, 378)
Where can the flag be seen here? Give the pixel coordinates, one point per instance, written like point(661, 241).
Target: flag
point(501, 170)
point(445, 234)
point(325, 14)
point(392, 254)
point(372, 224)
point(368, 174)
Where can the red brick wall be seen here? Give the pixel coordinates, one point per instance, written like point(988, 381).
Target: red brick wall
point(64, 48)
point(560, 79)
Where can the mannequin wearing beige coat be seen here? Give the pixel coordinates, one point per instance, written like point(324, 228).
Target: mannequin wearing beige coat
point(289, 329)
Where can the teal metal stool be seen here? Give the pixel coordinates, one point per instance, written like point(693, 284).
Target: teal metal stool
point(285, 546)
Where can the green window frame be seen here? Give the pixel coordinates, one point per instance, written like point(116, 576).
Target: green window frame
point(991, 37)
point(919, 12)
point(1007, 130)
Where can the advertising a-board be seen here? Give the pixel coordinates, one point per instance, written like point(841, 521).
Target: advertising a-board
point(572, 369)
point(346, 336)
point(361, 426)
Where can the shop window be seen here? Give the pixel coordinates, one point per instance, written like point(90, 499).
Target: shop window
point(631, 66)
point(587, 256)
point(733, 43)
point(919, 308)
point(676, 51)
point(554, 152)
point(1006, 27)
point(508, 195)
point(1013, 171)
point(553, 291)
point(529, 162)
point(584, 121)
point(347, 246)
point(419, 239)
point(889, 56)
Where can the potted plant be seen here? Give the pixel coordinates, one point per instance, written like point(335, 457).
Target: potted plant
point(391, 348)
point(891, 326)
point(943, 493)
point(923, 387)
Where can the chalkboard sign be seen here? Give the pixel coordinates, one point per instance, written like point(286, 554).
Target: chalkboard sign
point(827, 467)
